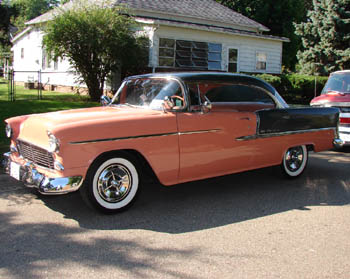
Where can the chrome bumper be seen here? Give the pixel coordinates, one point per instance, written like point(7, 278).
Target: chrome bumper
point(45, 185)
point(338, 143)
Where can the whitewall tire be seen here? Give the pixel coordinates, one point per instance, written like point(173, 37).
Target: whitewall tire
point(295, 161)
point(112, 184)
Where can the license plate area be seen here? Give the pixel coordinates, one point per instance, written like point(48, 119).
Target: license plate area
point(15, 170)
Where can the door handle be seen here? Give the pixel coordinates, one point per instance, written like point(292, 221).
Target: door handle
point(245, 118)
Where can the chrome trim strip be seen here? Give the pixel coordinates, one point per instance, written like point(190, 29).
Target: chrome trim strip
point(147, 136)
point(331, 104)
point(270, 135)
point(199, 132)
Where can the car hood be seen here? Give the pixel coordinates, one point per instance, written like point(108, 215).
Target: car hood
point(331, 99)
point(86, 124)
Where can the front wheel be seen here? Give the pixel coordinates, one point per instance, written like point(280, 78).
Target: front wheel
point(111, 184)
point(295, 161)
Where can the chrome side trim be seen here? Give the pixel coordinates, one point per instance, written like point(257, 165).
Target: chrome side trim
point(331, 104)
point(146, 136)
point(199, 132)
point(270, 135)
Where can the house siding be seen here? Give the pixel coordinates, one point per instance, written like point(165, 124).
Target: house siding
point(26, 68)
point(247, 47)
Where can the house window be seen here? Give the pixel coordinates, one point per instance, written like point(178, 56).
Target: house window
point(214, 56)
point(233, 60)
point(55, 64)
point(189, 54)
point(166, 52)
point(46, 59)
point(22, 53)
point(261, 58)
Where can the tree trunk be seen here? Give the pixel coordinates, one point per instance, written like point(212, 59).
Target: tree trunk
point(95, 89)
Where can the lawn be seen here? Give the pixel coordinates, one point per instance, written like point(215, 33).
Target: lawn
point(27, 103)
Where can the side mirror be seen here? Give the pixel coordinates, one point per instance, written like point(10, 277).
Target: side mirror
point(105, 100)
point(206, 107)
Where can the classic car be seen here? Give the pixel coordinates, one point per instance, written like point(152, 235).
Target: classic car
point(178, 126)
point(336, 93)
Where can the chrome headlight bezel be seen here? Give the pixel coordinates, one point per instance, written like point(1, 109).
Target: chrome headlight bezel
point(8, 130)
point(54, 143)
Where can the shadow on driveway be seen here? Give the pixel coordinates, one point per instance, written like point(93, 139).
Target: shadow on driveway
point(220, 201)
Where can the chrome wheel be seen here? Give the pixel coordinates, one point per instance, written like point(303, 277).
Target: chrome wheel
point(114, 183)
point(294, 161)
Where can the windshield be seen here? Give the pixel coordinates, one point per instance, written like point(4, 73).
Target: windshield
point(337, 83)
point(148, 92)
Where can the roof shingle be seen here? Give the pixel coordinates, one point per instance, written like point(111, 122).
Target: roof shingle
point(200, 9)
point(208, 10)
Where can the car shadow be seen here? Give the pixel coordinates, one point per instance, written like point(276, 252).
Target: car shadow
point(220, 201)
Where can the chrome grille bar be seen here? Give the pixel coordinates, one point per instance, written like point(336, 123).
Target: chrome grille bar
point(35, 154)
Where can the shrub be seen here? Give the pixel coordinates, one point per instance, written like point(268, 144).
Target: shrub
point(296, 88)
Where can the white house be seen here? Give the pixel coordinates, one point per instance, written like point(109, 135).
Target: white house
point(184, 35)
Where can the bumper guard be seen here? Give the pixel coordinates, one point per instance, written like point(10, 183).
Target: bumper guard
point(48, 186)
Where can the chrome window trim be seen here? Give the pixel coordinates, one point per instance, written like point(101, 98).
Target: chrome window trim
point(185, 107)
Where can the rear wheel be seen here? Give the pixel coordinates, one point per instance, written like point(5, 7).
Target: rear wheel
point(295, 161)
point(111, 184)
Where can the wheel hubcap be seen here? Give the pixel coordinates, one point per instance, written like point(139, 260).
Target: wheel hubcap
point(294, 158)
point(114, 183)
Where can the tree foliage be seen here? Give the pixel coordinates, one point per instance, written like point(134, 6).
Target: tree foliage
point(25, 10)
point(98, 40)
point(278, 16)
point(325, 37)
point(4, 25)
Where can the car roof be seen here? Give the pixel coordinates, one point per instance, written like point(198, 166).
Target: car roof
point(210, 76)
point(341, 72)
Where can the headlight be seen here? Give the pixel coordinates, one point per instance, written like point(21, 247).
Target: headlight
point(54, 144)
point(8, 131)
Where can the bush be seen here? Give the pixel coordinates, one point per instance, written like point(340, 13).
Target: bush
point(295, 88)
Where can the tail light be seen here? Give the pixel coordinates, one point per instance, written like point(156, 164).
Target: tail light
point(344, 120)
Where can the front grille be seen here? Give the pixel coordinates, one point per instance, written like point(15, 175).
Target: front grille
point(37, 155)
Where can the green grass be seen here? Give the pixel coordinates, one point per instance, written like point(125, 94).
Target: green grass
point(27, 103)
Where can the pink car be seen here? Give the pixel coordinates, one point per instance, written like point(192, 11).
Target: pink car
point(336, 93)
point(180, 126)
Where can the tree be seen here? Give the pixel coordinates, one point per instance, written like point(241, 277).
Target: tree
point(29, 9)
point(6, 11)
point(278, 16)
point(97, 39)
point(325, 37)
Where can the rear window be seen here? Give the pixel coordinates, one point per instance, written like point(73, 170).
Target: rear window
point(218, 92)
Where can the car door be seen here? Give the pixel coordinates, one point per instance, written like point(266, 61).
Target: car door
point(209, 142)
point(208, 145)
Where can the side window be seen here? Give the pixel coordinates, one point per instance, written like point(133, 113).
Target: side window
point(238, 93)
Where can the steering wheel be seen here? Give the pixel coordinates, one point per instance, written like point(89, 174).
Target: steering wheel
point(173, 97)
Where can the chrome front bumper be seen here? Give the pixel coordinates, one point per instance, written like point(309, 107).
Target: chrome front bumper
point(29, 175)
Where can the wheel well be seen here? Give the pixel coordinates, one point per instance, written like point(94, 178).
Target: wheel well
point(310, 147)
point(146, 169)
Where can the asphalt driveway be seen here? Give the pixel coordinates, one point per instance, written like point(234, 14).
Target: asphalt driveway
point(251, 225)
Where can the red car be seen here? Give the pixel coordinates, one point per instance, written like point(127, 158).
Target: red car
point(336, 93)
